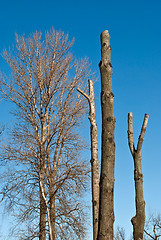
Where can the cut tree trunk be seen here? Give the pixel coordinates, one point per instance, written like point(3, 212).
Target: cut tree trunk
point(138, 221)
point(94, 157)
point(106, 211)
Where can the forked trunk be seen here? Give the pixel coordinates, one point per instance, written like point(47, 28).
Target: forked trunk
point(138, 221)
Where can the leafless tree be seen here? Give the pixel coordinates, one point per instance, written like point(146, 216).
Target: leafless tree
point(153, 228)
point(120, 234)
point(46, 174)
point(138, 221)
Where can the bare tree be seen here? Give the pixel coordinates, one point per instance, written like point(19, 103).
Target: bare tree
point(153, 228)
point(106, 212)
point(138, 220)
point(44, 146)
point(120, 234)
point(94, 156)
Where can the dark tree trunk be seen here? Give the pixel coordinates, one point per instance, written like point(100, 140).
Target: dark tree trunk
point(42, 227)
point(52, 210)
point(106, 212)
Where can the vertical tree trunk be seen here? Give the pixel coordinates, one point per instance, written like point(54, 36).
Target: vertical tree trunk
point(106, 212)
point(94, 161)
point(48, 211)
point(52, 210)
point(42, 227)
point(94, 157)
point(138, 221)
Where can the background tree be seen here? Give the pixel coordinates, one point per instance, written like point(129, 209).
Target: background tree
point(138, 221)
point(106, 212)
point(153, 228)
point(46, 175)
point(119, 234)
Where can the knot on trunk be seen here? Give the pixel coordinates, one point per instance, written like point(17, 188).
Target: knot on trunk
point(107, 95)
point(138, 176)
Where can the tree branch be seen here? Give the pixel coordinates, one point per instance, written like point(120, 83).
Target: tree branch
point(130, 133)
point(83, 93)
point(149, 234)
point(142, 133)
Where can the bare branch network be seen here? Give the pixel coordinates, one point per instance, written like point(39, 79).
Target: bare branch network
point(46, 174)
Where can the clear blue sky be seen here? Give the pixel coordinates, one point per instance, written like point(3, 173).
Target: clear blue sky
point(135, 29)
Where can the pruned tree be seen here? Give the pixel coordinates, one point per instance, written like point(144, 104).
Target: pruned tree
point(106, 212)
point(94, 156)
point(138, 221)
point(46, 176)
point(153, 227)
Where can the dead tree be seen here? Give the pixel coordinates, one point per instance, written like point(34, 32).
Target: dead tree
point(106, 212)
point(94, 156)
point(138, 221)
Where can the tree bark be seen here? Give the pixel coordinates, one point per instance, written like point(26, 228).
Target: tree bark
point(94, 157)
point(52, 210)
point(106, 212)
point(138, 221)
point(42, 226)
point(43, 206)
point(49, 211)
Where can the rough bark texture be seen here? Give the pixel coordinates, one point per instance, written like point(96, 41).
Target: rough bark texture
point(106, 212)
point(94, 157)
point(138, 221)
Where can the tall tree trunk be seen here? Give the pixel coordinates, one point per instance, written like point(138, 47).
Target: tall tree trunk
point(94, 157)
point(138, 221)
point(106, 212)
point(42, 228)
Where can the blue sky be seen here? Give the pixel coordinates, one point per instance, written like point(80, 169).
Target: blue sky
point(135, 29)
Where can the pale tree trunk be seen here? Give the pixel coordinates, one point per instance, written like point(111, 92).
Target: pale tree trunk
point(47, 209)
point(106, 212)
point(138, 221)
point(44, 207)
point(94, 157)
point(42, 227)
